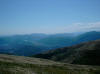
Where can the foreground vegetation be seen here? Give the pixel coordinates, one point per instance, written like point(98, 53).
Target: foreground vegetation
point(15, 68)
point(11, 65)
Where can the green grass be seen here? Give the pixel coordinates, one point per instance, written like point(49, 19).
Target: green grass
point(17, 68)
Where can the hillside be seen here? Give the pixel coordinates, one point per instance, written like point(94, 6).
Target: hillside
point(10, 64)
point(27, 45)
point(87, 53)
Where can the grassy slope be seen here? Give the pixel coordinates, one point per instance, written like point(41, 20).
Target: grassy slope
point(10, 64)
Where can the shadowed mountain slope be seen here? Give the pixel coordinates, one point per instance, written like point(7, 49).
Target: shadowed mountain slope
point(87, 53)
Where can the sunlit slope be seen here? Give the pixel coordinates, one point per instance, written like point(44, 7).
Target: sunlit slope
point(10, 64)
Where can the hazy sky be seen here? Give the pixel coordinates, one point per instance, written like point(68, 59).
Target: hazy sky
point(48, 16)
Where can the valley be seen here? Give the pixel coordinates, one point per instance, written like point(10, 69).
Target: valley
point(28, 45)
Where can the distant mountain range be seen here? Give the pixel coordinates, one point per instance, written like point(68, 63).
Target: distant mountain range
point(27, 45)
point(58, 41)
point(87, 53)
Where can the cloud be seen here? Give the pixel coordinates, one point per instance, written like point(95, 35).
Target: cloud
point(83, 27)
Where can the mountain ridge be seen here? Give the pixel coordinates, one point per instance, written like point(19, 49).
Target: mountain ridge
point(27, 45)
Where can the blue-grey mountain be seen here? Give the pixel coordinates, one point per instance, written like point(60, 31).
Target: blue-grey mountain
point(28, 45)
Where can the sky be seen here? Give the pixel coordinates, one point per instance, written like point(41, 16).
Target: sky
point(48, 16)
